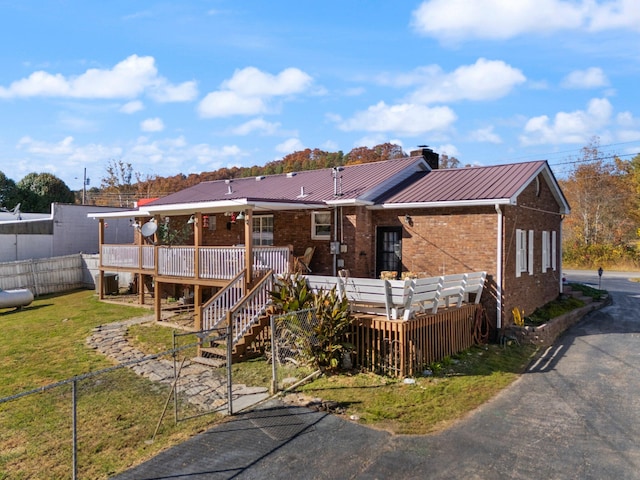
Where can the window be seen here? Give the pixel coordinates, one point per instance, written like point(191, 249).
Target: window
point(524, 252)
point(553, 250)
point(548, 251)
point(321, 225)
point(262, 230)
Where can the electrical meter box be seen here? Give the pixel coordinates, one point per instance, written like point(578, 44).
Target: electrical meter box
point(334, 248)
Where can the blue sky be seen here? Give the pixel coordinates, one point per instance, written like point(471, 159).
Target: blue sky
point(195, 85)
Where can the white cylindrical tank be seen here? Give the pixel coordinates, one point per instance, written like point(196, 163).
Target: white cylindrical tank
point(15, 298)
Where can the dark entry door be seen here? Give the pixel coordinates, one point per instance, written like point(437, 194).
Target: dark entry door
point(388, 250)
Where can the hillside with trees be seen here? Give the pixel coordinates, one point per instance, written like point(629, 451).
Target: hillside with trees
point(604, 225)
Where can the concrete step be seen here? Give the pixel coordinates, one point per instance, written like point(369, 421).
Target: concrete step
point(211, 362)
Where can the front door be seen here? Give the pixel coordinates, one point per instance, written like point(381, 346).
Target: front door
point(388, 250)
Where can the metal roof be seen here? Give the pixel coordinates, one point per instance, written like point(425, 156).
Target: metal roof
point(475, 185)
point(353, 184)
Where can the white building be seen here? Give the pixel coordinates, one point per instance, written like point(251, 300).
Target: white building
point(67, 230)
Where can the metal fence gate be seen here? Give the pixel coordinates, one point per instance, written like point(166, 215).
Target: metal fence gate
point(291, 352)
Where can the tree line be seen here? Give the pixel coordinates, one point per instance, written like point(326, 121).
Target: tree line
point(603, 228)
point(603, 192)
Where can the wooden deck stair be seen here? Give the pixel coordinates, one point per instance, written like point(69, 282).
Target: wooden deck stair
point(216, 353)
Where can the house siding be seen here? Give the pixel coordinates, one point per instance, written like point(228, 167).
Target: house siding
point(535, 213)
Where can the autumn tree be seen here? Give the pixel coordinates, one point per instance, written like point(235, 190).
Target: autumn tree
point(448, 162)
point(603, 222)
point(117, 183)
point(39, 190)
point(385, 151)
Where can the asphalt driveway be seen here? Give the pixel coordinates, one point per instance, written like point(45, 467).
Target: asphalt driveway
point(574, 415)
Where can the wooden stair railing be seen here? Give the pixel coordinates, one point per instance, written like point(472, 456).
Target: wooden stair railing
point(247, 317)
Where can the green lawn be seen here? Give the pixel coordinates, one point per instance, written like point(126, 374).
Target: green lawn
point(117, 412)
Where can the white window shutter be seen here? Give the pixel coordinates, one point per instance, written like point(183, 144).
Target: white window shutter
point(553, 250)
point(530, 262)
point(545, 251)
point(518, 252)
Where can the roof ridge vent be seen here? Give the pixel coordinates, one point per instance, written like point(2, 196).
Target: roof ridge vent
point(291, 174)
point(259, 177)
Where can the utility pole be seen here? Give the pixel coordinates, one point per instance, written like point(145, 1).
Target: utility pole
point(85, 182)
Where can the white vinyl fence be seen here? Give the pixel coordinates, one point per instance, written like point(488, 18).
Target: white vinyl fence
point(50, 275)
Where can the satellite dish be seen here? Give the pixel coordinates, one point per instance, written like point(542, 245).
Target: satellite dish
point(149, 228)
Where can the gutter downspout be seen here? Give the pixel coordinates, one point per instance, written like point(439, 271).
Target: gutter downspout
point(499, 269)
point(559, 254)
point(335, 241)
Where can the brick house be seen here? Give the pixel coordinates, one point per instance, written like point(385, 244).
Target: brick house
point(402, 215)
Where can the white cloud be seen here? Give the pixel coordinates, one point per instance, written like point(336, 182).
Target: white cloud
point(164, 92)
point(402, 119)
point(625, 119)
point(249, 91)
point(256, 125)
point(132, 107)
point(162, 156)
point(616, 14)
point(572, 127)
point(484, 80)
point(499, 19)
point(128, 79)
point(448, 149)
point(227, 103)
point(592, 77)
point(152, 125)
point(252, 82)
point(370, 141)
point(486, 135)
point(330, 146)
point(67, 153)
point(289, 146)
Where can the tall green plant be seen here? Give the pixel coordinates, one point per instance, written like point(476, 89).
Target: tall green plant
point(325, 341)
point(291, 293)
point(334, 320)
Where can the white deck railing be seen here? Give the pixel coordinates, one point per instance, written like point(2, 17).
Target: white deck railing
point(231, 302)
point(214, 312)
point(179, 261)
point(402, 299)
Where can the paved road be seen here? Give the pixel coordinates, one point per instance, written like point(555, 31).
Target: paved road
point(574, 415)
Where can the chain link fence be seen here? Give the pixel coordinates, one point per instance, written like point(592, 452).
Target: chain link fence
point(292, 348)
point(88, 425)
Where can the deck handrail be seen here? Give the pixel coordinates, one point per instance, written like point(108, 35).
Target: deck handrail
point(403, 298)
point(214, 311)
point(247, 312)
point(215, 262)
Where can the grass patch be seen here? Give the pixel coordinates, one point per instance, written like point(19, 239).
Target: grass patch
point(458, 385)
point(117, 411)
point(588, 291)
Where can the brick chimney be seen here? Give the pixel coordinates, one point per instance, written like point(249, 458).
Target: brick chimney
point(431, 157)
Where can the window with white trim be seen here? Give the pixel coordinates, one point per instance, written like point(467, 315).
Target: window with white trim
point(321, 225)
point(554, 255)
point(524, 252)
point(262, 232)
point(546, 251)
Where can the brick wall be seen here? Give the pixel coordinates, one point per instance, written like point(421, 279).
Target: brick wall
point(538, 212)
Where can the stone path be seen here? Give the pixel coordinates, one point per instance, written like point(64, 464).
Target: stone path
point(201, 385)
